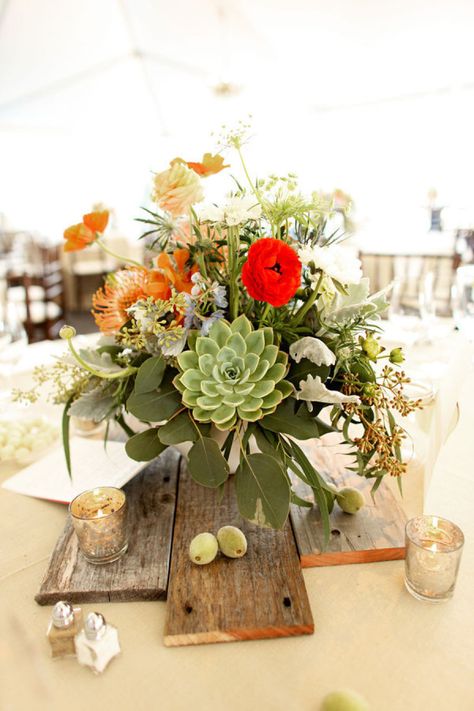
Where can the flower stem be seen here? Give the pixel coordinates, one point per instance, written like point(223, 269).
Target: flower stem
point(264, 314)
point(107, 376)
point(303, 310)
point(252, 186)
point(117, 256)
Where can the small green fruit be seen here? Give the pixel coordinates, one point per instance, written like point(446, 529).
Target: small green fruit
point(350, 500)
point(232, 541)
point(344, 701)
point(203, 548)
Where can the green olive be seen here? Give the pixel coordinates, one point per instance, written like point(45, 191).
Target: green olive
point(350, 500)
point(232, 541)
point(344, 701)
point(203, 548)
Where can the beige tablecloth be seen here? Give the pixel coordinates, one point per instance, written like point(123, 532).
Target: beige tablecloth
point(371, 635)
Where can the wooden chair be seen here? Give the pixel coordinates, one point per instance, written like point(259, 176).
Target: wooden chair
point(42, 308)
point(383, 269)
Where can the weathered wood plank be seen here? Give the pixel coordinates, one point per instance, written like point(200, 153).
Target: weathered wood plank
point(142, 573)
point(258, 596)
point(375, 533)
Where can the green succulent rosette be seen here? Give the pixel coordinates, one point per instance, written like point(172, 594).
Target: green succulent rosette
point(235, 372)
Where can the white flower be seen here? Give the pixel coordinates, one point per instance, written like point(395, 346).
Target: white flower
point(313, 349)
point(234, 211)
point(313, 390)
point(335, 261)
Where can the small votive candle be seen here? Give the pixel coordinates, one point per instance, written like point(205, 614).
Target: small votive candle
point(99, 517)
point(433, 553)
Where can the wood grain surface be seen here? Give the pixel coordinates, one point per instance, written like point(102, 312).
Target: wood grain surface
point(375, 533)
point(258, 596)
point(142, 573)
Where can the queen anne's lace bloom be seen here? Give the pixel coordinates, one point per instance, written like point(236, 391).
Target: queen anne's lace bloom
point(233, 211)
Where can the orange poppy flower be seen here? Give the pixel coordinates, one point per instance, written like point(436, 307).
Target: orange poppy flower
point(158, 286)
point(208, 166)
point(83, 234)
point(176, 273)
point(110, 303)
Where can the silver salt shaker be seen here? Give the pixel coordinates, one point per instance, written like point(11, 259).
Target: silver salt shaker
point(97, 644)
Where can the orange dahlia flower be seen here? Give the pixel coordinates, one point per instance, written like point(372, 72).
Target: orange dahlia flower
point(81, 235)
point(122, 290)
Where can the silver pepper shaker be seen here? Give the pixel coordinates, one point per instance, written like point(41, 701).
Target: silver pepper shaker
point(97, 643)
point(65, 624)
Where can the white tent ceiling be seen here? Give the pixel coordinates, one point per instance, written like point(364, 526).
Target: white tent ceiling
point(94, 83)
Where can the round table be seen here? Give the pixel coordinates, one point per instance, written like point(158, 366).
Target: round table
point(370, 634)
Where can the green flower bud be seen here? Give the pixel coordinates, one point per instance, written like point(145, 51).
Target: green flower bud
point(369, 389)
point(344, 701)
point(370, 346)
point(396, 356)
point(67, 332)
point(203, 548)
point(232, 541)
point(350, 500)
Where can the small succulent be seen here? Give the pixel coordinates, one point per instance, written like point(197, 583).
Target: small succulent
point(233, 372)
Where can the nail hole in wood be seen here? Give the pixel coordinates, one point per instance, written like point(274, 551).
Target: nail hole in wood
point(166, 479)
point(287, 602)
point(188, 609)
point(335, 532)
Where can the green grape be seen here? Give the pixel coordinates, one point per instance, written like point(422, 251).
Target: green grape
point(232, 541)
point(203, 548)
point(350, 500)
point(344, 701)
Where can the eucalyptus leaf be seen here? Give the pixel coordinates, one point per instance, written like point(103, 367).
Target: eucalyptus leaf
point(179, 429)
point(263, 490)
point(298, 424)
point(144, 446)
point(150, 374)
point(157, 405)
point(206, 464)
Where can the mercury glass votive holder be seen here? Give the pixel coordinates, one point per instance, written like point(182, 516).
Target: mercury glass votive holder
point(99, 517)
point(433, 552)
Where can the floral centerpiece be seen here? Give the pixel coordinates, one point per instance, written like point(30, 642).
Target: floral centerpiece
point(250, 327)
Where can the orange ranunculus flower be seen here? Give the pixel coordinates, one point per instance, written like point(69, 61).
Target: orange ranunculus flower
point(176, 273)
point(208, 166)
point(122, 290)
point(83, 234)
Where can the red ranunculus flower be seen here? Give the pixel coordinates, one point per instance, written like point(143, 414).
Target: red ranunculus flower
point(272, 272)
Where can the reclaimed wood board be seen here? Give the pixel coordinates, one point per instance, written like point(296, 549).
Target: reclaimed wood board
point(258, 596)
point(142, 573)
point(375, 533)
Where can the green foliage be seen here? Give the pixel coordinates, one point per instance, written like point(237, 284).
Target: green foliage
point(206, 463)
point(157, 405)
point(263, 490)
point(150, 374)
point(292, 419)
point(144, 446)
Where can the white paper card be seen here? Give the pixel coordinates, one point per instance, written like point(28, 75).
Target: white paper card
point(92, 465)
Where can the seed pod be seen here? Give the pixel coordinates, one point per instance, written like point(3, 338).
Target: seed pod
point(203, 548)
point(344, 701)
point(350, 500)
point(232, 541)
